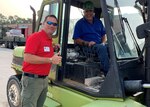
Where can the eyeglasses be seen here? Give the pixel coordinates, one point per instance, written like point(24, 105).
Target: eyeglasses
point(52, 23)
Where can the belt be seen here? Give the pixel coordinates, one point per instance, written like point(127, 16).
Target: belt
point(34, 75)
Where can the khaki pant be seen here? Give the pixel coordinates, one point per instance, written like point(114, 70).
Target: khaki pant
point(34, 91)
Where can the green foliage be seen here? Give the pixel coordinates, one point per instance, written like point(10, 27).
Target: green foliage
point(13, 20)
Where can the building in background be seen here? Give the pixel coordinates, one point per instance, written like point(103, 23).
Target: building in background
point(14, 34)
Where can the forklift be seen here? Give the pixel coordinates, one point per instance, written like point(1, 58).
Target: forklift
point(78, 82)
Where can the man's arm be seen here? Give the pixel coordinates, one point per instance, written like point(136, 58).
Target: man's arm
point(104, 39)
point(34, 59)
point(81, 42)
point(84, 43)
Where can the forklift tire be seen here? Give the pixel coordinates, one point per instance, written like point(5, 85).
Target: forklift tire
point(6, 44)
point(14, 92)
point(10, 45)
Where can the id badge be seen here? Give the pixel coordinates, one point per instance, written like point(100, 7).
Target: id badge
point(46, 49)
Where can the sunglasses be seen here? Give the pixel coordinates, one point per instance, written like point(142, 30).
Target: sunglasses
point(52, 23)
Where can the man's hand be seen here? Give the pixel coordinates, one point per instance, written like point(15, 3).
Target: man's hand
point(56, 47)
point(91, 43)
point(103, 44)
point(56, 59)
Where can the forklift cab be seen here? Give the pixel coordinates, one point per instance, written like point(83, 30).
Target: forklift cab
point(123, 45)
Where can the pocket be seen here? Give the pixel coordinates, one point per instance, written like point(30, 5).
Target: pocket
point(27, 90)
point(24, 81)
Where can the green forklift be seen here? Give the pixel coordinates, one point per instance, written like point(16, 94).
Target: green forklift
point(77, 82)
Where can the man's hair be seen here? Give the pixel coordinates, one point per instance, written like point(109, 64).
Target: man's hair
point(50, 16)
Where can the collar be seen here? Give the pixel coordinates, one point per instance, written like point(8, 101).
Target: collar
point(45, 35)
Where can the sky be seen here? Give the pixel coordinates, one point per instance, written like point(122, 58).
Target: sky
point(20, 8)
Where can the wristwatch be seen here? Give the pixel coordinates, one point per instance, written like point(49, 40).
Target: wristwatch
point(50, 59)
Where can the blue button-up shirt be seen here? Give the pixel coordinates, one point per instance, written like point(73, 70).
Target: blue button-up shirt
point(89, 32)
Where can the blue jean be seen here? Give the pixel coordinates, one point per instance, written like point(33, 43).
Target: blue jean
point(101, 51)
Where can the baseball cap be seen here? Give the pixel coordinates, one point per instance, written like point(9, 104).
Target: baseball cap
point(88, 5)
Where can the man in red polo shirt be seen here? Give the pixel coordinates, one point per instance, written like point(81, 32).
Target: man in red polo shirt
point(38, 57)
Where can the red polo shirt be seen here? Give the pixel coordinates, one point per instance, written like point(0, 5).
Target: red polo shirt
point(38, 44)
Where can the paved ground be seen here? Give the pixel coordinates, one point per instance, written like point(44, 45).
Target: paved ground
point(5, 73)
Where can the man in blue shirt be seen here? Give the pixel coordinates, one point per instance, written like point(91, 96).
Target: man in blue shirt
point(90, 33)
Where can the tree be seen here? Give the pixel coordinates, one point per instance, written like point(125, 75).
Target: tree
point(3, 19)
point(11, 19)
point(14, 20)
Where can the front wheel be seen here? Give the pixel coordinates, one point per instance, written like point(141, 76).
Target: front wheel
point(13, 92)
